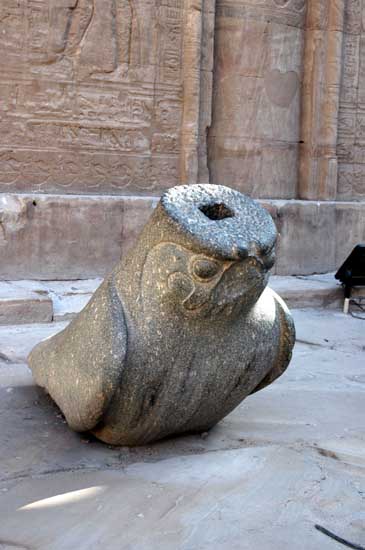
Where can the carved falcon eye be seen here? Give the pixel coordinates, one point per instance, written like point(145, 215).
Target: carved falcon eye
point(205, 269)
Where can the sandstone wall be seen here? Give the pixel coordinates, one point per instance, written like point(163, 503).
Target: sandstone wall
point(68, 237)
point(105, 103)
point(351, 138)
point(256, 107)
point(103, 96)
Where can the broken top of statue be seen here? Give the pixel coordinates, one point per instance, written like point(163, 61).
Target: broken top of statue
point(181, 331)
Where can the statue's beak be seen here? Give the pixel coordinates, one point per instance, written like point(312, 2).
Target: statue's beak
point(197, 298)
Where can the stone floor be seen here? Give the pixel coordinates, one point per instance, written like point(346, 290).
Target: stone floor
point(290, 457)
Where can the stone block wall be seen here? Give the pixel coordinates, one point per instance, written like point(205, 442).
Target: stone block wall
point(103, 96)
point(351, 118)
point(106, 103)
point(255, 132)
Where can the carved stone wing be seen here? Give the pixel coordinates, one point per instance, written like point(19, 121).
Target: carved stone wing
point(286, 344)
point(81, 366)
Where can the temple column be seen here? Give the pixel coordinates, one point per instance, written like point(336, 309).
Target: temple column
point(320, 100)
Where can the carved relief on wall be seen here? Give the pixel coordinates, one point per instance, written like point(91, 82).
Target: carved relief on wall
point(101, 36)
point(253, 140)
point(289, 12)
point(351, 120)
point(90, 87)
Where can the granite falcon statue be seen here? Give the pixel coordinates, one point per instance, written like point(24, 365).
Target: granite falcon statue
point(181, 331)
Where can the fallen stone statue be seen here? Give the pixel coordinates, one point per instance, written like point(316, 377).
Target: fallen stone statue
point(181, 331)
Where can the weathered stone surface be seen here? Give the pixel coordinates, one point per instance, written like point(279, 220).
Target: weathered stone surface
point(309, 291)
point(73, 237)
point(320, 99)
point(332, 163)
point(127, 111)
point(67, 297)
point(16, 342)
point(316, 236)
point(22, 306)
point(267, 96)
point(193, 502)
point(307, 234)
point(350, 228)
point(53, 237)
point(301, 441)
point(68, 301)
point(350, 146)
point(253, 140)
point(181, 331)
point(102, 97)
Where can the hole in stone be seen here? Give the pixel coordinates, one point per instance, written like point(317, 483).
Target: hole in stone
point(216, 211)
point(34, 203)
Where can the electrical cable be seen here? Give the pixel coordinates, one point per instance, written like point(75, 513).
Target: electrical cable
point(338, 539)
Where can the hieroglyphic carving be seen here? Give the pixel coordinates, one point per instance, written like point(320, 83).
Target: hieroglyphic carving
point(320, 100)
point(350, 68)
point(254, 136)
point(102, 76)
point(170, 26)
point(351, 126)
point(289, 12)
point(98, 172)
point(353, 16)
point(351, 179)
point(12, 26)
point(98, 36)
